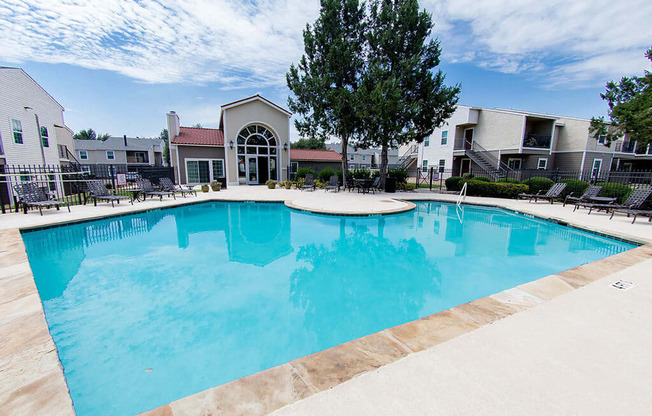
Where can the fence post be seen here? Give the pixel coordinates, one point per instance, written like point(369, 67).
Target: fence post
point(431, 178)
point(112, 173)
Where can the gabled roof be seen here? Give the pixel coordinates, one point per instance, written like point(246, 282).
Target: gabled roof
point(199, 136)
point(315, 155)
point(34, 81)
point(256, 97)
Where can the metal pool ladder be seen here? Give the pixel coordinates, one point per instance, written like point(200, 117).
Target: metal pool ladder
point(462, 195)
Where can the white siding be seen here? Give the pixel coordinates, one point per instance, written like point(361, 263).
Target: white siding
point(17, 91)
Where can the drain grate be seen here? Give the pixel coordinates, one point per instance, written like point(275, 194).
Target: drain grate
point(623, 284)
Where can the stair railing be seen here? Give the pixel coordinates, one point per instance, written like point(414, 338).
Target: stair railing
point(462, 194)
point(488, 156)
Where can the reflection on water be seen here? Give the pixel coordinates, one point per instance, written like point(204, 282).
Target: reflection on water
point(207, 293)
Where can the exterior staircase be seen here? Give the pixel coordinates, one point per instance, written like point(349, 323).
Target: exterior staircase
point(493, 167)
point(408, 158)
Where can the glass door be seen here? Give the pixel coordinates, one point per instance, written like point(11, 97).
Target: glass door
point(252, 170)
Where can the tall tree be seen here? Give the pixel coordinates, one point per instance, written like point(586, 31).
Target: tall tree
point(166, 146)
point(404, 99)
point(89, 134)
point(309, 143)
point(630, 109)
point(326, 80)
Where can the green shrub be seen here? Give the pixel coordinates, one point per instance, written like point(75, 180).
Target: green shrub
point(615, 190)
point(537, 184)
point(508, 180)
point(375, 174)
point(482, 178)
point(302, 172)
point(493, 189)
point(326, 174)
point(340, 176)
point(467, 175)
point(574, 186)
point(453, 183)
point(361, 174)
point(400, 175)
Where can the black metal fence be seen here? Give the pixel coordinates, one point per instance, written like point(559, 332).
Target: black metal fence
point(67, 182)
point(433, 177)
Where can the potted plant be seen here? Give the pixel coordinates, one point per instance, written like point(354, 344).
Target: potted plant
point(271, 184)
point(204, 188)
point(288, 184)
point(216, 186)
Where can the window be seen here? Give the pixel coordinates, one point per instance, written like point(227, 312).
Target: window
point(424, 166)
point(426, 142)
point(444, 137)
point(259, 143)
point(514, 164)
point(83, 155)
point(602, 139)
point(442, 164)
point(542, 163)
point(204, 171)
point(364, 157)
point(294, 167)
point(218, 168)
point(45, 140)
point(110, 155)
point(352, 157)
point(597, 166)
point(17, 128)
point(351, 165)
point(86, 169)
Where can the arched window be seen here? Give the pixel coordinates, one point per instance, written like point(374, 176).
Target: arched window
point(257, 155)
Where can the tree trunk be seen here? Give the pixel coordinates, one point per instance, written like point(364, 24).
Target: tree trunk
point(345, 162)
point(383, 165)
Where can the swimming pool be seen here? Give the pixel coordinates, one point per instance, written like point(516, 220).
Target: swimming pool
point(148, 308)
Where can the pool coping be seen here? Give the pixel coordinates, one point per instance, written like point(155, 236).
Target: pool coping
point(408, 207)
point(34, 383)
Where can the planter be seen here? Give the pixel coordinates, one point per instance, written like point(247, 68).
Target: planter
point(204, 188)
point(288, 185)
point(270, 184)
point(216, 186)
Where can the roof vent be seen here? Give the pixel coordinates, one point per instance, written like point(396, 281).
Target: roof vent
point(125, 137)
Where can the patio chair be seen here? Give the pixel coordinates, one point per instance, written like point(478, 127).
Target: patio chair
point(634, 202)
point(590, 192)
point(333, 184)
point(148, 189)
point(309, 183)
point(553, 193)
point(31, 195)
point(99, 192)
point(376, 185)
point(167, 185)
point(350, 183)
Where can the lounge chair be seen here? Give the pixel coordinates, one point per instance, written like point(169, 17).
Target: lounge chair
point(31, 195)
point(634, 212)
point(590, 192)
point(309, 183)
point(634, 202)
point(167, 185)
point(98, 191)
point(148, 189)
point(553, 193)
point(333, 183)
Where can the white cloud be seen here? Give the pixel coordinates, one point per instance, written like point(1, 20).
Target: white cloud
point(246, 43)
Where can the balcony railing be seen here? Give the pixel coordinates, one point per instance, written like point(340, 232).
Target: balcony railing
point(137, 159)
point(537, 141)
point(626, 147)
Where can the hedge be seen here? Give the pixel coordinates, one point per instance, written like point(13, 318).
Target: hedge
point(493, 189)
point(400, 175)
point(361, 174)
point(574, 186)
point(468, 175)
point(508, 180)
point(325, 174)
point(482, 178)
point(615, 190)
point(453, 183)
point(537, 184)
point(302, 172)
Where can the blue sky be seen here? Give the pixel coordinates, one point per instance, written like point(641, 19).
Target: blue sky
point(121, 67)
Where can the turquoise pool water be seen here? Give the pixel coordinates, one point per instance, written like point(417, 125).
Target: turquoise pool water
point(208, 293)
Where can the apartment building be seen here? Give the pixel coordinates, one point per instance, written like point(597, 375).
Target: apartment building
point(364, 158)
point(130, 151)
point(499, 140)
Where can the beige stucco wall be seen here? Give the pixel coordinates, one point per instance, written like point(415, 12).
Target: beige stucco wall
point(499, 130)
point(255, 112)
point(574, 135)
point(192, 152)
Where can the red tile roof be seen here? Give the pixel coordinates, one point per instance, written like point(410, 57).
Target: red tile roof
point(317, 155)
point(199, 136)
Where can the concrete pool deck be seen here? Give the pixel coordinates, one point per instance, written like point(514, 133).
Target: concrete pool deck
point(565, 351)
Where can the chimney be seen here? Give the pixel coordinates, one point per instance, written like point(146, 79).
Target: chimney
point(173, 124)
point(125, 137)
